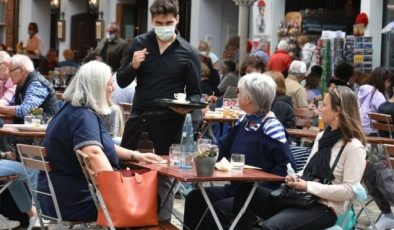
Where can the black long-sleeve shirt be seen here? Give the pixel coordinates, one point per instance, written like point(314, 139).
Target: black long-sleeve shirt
point(161, 75)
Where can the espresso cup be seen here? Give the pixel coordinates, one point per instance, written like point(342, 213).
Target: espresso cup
point(180, 96)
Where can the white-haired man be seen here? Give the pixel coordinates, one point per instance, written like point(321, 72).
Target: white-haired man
point(280, 61)
point(113, 47)
point(294, 89)
point(33, 91)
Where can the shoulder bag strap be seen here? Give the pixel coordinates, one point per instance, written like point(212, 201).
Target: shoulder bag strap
point(328, 181)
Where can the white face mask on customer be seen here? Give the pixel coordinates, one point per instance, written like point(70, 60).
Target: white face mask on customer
point(111, 37)
point(165, 33)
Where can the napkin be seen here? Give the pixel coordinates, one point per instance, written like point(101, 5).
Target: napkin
point(223, 165)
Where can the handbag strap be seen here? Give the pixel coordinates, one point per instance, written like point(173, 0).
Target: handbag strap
point(327, 180)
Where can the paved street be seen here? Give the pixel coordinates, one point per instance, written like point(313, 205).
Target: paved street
point(362, 222)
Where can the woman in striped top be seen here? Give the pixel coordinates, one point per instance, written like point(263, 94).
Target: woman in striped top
point(258, 135)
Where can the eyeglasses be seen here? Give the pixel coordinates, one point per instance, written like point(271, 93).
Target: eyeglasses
point(14, 69)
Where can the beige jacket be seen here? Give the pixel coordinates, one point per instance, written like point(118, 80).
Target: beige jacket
point(348, 172)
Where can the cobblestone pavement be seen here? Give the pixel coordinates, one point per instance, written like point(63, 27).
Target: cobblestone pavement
point(362, 222)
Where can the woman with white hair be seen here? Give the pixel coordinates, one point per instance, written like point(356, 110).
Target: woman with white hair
point(7, 87)
point(77, 127)
point(258, 135)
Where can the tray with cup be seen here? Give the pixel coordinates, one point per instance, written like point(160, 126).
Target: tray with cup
point(180, 101)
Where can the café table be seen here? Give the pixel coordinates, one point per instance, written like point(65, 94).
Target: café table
point(313, 133)
point(189, 175)
point(23, 131)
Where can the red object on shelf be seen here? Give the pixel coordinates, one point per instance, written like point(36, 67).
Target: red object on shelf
point(362, 18)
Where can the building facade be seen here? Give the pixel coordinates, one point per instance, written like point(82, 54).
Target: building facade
point(84, 21)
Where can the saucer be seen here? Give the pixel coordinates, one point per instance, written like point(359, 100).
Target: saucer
point(181, 102)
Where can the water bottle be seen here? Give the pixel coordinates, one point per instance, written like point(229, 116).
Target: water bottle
point(290, 170)
point(188, 145)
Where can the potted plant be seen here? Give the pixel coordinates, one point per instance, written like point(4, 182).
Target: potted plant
point(205, 161)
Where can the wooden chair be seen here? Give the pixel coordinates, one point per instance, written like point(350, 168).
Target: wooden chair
point(126, 109)
point(383, 123)
point(33, 157)
point(304, 117)
point(303, 120)
point(90, 176)
point(390, 154)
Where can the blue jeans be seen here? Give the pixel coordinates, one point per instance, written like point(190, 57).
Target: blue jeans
point(18, 189)
point(280, 218)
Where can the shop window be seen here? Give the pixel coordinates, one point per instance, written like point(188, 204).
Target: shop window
point(325, 15)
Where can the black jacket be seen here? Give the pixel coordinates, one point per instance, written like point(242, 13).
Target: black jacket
point(284, 111)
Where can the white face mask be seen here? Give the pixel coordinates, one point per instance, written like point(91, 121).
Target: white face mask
point(110, 37)
point(165, 33)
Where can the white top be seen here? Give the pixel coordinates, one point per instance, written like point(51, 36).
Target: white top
point(214, 58)
point(348, 172)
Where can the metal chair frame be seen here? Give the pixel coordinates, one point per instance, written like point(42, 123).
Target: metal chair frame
point(34, 157)
point(90, 176)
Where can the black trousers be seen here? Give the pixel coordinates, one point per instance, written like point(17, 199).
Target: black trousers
point(164, 129)
point(280, 218)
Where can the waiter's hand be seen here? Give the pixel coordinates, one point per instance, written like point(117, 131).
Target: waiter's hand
point(180, 110)
point(138, 57)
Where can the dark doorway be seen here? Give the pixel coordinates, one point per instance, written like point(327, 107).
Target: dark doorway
point(83, 34)
point(132, 18)
point(53, 41)
point(185, 7)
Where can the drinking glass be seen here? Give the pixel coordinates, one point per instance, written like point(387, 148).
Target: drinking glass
point(174, 153)
point(237, 162)
point(28, 119)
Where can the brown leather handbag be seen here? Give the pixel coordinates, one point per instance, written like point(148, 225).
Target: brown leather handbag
point(130, 197)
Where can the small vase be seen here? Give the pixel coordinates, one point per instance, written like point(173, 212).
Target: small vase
point(205, 166)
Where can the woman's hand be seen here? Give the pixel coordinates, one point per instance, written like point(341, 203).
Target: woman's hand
point(295, 182)
point(147, 157)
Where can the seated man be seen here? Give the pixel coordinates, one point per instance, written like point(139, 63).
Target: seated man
point(33, 91)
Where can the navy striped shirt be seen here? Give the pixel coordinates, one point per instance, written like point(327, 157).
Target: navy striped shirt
point(272, 127)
